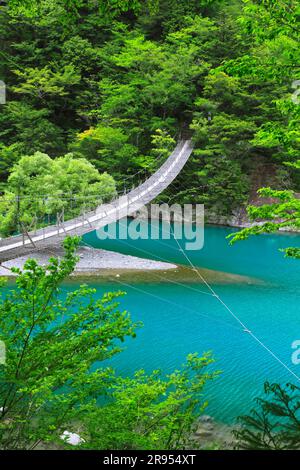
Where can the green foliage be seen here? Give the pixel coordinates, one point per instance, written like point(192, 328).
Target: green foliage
point(151, 411)
point(39, 186)
point(106, 7)
point(218, 169)
point(27, 128)
point(283, 136)
point(281, 16)
point(284, 213)
point(99, 78)
point(51, 345)
point(54, 378)
point(42, 83)
point(162, 142)
point(275, 423)
point(107, 148)
point(8, 156)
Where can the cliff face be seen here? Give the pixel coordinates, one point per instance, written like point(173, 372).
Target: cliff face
point(262, 174)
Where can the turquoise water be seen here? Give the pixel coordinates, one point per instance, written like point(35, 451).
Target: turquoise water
point(178, 320)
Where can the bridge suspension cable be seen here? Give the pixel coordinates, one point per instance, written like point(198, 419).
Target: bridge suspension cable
point(101, 216)
point(243, 328)
point(211, 292)
point(229, 310)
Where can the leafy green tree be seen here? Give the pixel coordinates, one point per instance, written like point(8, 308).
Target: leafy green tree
point(162, 143)
point(275, 423)
point(54, 379)
point(270, 67)
point(282, 136)
point(29, 129)
point(219, 168)
point(42, 83)
point(284, 212)
point(108, 148)
point(40, 187)
point(9, 155)
point(151, 411)
point(151, 96)
point(108, 8)
point(162, 146)
point(279, 15)
point(51, 345)
point(170, 15)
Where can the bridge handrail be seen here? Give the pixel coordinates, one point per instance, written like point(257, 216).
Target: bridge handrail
point(151, 187)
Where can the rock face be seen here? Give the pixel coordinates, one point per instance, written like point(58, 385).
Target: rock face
point(211, 434)
point(240, 220)
point(205, 419)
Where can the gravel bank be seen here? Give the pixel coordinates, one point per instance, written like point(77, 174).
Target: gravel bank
point(91, 261)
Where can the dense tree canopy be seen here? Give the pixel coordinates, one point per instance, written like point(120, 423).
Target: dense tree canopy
point(99, 79)
point(40, 187)
point(98, 92)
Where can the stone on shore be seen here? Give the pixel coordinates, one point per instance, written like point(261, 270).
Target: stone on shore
point(91, 261)
point(207, 433)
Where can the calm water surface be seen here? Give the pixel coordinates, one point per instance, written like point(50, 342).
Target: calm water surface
point(178, 320)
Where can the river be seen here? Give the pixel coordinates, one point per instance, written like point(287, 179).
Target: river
point(179, 320)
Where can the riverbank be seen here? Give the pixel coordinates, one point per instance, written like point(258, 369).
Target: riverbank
point(179, 320)
point(91, 262)
point(98, 265)
point(206, 434)
point(238, 221)
point(209, 434)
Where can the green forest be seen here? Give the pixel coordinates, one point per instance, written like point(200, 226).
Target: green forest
point(108, 87)
point(97, 95)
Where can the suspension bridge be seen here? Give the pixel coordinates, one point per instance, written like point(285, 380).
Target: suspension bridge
point(125, 205)
point(121, 207)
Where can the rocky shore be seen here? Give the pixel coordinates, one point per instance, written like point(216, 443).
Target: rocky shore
point(210, 434)
point(91, 262)
point(102, 265)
